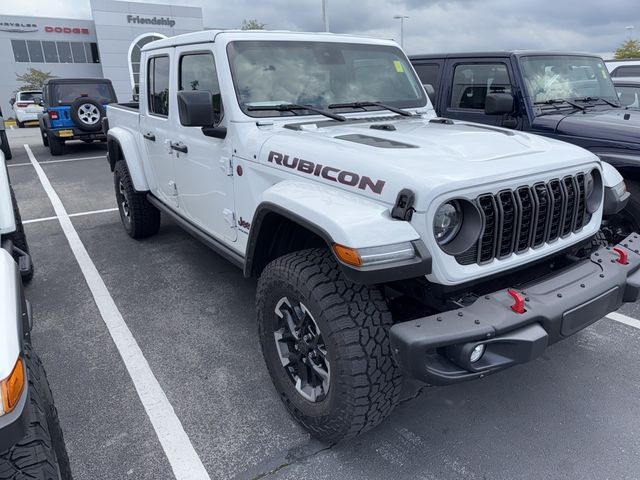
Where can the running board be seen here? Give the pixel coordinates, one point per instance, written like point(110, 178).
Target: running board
point(211, 242)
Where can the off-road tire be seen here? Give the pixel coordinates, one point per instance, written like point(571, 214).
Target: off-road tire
point(633, 206)
point(4, 145)
point(354, 321)
point(78, 121)
point(143, 219)
point(56, 145)
point(19, 238)
point(41, 453)
point(45, 138)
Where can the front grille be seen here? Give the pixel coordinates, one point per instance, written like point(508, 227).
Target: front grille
point(528, 217)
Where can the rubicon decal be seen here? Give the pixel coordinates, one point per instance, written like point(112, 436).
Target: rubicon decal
point(327, 172)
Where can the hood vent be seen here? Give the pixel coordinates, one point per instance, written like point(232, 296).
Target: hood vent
point(374, 141)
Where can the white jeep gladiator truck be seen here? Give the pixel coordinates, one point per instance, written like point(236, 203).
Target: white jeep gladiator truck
point(386, 241)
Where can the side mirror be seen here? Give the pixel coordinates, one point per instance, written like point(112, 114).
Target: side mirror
point(12, 101)
point(431, 92)
point(196, 108)
point(498, 104)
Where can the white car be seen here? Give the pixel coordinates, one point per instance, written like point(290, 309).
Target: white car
point(386, 241)
point(26, 106)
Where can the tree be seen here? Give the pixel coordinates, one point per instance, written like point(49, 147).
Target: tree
point(252, 25)
point(33, 79)
point(628, 49)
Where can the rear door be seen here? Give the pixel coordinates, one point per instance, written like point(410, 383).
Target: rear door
point(467, 83)
point(156, 124)
point(204, 173)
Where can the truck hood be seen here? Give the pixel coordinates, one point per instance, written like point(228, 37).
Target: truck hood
point(379, 157)
point(612, 124)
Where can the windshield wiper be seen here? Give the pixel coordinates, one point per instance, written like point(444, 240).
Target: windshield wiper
point(292, 107)
point(362, 105)
point(595, 99)
point(555, 101)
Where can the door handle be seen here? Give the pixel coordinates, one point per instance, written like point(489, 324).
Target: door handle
point(149, 136)
point(179, 146)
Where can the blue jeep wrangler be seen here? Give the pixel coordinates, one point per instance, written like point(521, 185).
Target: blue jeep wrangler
point(73, 110)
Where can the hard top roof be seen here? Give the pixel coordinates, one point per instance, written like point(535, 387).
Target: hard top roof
point(500, 53)
point(209, 36)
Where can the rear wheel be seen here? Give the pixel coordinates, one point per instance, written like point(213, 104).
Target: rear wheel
point(41, 453)
point(139, 218)
point(4, 145)
point(56, 145)
point(20, 124)
point(326, 344)
point(45, 139)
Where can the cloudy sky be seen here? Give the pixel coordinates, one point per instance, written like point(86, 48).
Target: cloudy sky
point(595, 26)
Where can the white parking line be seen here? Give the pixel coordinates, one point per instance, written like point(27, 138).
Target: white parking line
point(619, 317)
point(79, 214)
point(58, 161)
point(184, 460)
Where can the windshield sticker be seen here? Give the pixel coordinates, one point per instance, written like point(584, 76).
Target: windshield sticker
point(398, 65)
point(328, 173)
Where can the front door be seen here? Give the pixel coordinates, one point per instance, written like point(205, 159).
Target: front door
point(156, 124)
point(204, 173)
point(469, 82)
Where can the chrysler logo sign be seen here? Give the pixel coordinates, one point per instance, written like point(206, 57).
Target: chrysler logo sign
point(18, 27)
point(161, 21)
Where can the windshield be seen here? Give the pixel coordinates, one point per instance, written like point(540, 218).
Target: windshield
point(320, 74)
point(566, 78)
point(66, 93)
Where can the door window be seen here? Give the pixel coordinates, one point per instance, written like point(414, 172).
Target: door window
point(158, 86)
point(198, 72)
point(473, 82)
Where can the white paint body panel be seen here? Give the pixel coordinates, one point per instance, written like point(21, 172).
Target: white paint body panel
point(9, 334)
point(441, 162)
point(7, 222)
point(610, 175)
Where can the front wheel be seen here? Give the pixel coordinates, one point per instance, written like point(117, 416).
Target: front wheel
point(325, 341)
point(41, 453)
point(139, 218)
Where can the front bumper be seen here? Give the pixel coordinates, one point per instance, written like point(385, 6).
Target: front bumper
point(436, 349)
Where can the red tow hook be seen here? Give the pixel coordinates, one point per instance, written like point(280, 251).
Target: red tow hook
point(518, 306)
point(623, 256)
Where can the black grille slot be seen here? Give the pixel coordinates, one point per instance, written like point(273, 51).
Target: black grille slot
point(527, 213)
point(507, 217)
point(580, 202)
point(487, 241)
point(557, 209)
point(544, 205)
point(528, 217)
point(570, 211)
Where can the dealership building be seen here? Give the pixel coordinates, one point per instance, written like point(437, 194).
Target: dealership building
point(102, 47)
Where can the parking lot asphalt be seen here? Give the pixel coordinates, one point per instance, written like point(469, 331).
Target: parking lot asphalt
point(572, 413)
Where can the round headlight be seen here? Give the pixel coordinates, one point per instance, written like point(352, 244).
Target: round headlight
point(447, 222)
point(588, 184)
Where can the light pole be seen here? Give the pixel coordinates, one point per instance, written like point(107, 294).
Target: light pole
point(401, 18)
point(629, 29)
point(325, 15)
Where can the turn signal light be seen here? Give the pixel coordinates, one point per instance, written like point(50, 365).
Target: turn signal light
point(11, 387)
point(348, 255)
